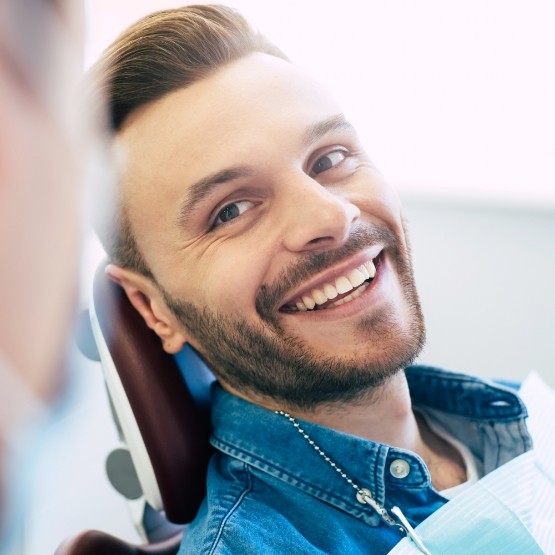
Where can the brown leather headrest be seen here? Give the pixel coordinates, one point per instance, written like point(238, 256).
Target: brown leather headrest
point(174, 430)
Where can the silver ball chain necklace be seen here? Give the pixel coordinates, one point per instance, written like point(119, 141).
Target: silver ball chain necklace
point(363, 495)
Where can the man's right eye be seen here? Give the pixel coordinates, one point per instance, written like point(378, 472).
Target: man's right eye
point(232, 211)
point(328, 161)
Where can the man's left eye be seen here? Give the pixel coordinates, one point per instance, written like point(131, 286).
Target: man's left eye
point(328, 161)
point(232, 211)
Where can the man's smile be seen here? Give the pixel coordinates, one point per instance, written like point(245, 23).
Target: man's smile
point(331, 278)
point(332, 292)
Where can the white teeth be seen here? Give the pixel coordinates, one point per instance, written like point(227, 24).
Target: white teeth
point(362, 269)
point(371, 268)
point(319, 296)
point(357, 293)
point(342, 284)
point(356, 277)
point(309, 302)
point(330, 291)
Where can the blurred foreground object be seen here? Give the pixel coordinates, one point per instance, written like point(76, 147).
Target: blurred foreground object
point(41, 147)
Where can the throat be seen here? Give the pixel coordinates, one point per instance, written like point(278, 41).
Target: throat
point(447, 472)
point(444, 461)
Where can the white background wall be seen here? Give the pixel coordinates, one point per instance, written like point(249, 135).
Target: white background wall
point(455, 103)
point(485, 276)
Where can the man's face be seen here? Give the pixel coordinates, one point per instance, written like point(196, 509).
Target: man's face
point(263, 220)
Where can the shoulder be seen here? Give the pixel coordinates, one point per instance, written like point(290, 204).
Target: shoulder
point(229, 482)
point(243, 514)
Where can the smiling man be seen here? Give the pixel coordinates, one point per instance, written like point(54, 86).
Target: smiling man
point(251, 224)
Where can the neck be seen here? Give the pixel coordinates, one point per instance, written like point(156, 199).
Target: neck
point(384, 416)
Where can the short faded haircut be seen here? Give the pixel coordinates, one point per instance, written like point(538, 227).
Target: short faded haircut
point(161, 53)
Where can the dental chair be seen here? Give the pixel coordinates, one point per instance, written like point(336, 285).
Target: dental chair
point(160, 406)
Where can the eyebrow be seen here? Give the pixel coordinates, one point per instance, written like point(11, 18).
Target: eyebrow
point(202, 188)
point(199, 190)
point(321, 128)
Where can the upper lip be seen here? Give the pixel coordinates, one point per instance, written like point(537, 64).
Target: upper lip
point(340, 269)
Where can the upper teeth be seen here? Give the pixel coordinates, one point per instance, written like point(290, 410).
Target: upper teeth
point(341, 285)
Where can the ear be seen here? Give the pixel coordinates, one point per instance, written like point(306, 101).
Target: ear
point(149, 303)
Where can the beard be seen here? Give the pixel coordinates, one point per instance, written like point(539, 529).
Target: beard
point(263, 360)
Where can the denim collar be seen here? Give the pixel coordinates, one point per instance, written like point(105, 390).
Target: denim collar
point(270, 444)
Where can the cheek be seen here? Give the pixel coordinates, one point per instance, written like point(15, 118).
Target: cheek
point(230, 280)
point(376, 199)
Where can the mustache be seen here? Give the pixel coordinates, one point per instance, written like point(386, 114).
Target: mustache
point(271, 295)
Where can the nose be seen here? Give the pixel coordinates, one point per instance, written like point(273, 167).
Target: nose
point(318, 216)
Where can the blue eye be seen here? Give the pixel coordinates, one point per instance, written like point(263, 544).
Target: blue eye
point(232, 211)
point(328, 161)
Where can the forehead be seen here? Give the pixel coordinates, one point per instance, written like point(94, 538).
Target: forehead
point(255, 97)
point(249, 112)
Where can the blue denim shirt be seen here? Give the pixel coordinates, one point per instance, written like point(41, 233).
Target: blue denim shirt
point(270, 492)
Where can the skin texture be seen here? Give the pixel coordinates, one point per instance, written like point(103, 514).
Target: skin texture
point(243, 191)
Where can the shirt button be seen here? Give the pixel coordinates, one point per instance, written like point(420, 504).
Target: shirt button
point(399, 468)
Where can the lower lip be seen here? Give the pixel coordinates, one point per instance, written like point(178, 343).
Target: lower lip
point(375, 291)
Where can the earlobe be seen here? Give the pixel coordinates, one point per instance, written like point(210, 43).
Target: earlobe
point(147, 301)
point(172, 338)
point(174, 345)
